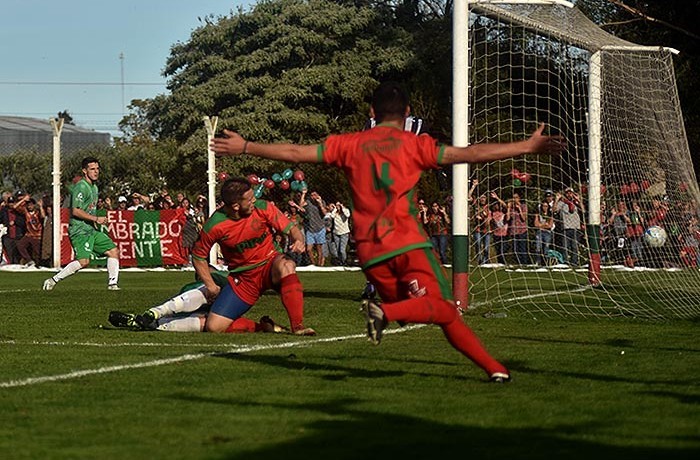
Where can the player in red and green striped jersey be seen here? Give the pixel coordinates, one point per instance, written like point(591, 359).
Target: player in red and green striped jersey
point(383, 166)
point(243, 229)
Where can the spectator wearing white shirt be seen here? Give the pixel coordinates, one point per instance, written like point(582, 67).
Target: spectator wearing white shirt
point(138, 201)
point(341, 231)
point(570, 208)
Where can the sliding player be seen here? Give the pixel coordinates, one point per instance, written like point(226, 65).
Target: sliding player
point(243, 229)
point(187, 312)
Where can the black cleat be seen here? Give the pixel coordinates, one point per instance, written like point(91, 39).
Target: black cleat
point(147, 320)
point(121, 319)
point(369, 292)
point(376, 321)
point(268, 325)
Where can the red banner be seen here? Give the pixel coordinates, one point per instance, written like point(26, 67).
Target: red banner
point(143, 238)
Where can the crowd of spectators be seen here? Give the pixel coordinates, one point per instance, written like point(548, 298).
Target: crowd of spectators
point(505, 231)
point(25, 226)
point(551, 230)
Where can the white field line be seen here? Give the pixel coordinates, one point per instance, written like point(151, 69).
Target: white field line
point(546, 294)
point(179, 359)
point(191, 357)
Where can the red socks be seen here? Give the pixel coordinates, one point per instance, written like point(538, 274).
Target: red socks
point(243, 325)
point(292, 293)
point(426, 310)
point(421, 310)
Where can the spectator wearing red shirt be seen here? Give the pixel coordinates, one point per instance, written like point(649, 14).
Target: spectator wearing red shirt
point(481, 224)
point(499, 228)
point(13, 221)
point(437, 222)
point(516, 215)
point(29, 246)
point(383, 166)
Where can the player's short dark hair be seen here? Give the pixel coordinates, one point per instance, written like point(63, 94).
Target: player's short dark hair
point(233, 189)
point(389, 101)
point(87, 160)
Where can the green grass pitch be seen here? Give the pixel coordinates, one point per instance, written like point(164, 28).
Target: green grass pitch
point(70, 389)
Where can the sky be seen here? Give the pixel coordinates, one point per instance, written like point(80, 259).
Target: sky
point(65, 55)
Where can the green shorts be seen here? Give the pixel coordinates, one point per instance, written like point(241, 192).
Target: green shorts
point(86, 245)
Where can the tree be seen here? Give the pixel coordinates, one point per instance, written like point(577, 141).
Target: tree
point(291, 70)
point(297, 70)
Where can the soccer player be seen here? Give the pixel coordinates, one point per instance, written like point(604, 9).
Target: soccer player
point(243, 229)
point(383, 166)
point(187, 312)
point(84, 236)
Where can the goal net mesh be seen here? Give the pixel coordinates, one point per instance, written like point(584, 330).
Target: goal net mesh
point(531, 64)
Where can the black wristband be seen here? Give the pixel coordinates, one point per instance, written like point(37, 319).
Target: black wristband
point(245, 148)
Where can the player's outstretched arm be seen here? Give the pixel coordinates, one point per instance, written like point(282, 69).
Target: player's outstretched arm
point(233, 144)
point(483, 153)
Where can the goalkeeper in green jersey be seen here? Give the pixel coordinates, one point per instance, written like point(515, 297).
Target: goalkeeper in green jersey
point(82, 229)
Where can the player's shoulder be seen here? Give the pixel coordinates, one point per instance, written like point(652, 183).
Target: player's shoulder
point(267, 207)
point(81, 185)
point(215, 219)
point(263, 205)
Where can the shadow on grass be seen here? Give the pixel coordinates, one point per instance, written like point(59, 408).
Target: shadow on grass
point(353, 296)
point(615, 343)
point(519, 368)
point(343, 431)
point(329, 371)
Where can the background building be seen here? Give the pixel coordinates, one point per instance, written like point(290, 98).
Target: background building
point(23, 133)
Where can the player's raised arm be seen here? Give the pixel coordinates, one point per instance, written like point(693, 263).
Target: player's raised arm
point(537, 143)
point(232, 144)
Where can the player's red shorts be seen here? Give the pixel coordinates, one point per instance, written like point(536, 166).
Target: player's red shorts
point(250, 284)
point(412, 274)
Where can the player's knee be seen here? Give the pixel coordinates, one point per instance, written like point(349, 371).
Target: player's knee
point(444, 311)
point(285, 267)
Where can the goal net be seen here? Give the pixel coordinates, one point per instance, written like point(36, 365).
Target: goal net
point(575, 235)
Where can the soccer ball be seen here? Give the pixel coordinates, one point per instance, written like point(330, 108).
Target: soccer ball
point(655, 236)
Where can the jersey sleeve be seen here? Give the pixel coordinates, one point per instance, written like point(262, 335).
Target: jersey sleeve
point(430, 152)
point(79, 196)
point(330, 151)
point(204, 243)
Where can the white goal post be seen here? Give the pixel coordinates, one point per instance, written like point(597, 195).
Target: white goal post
point(627, 167)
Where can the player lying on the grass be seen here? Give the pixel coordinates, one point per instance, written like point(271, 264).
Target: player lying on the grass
point(383, 166)
point(187, 312)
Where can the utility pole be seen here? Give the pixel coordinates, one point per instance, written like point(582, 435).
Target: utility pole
point(121, 62)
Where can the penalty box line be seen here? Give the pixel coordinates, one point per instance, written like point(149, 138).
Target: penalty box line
point(187, 357)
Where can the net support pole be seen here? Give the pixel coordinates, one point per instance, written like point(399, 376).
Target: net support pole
point(594, 168)
point(210, 124)
point(56, 127)
point(460, 138)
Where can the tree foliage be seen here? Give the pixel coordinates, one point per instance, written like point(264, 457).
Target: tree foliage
point(297, 70)
point(288, 70)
